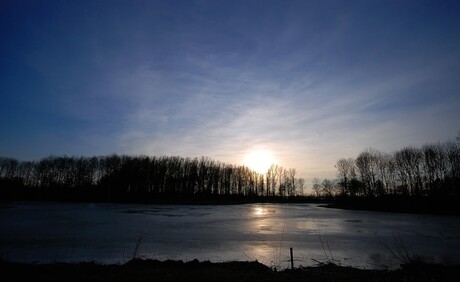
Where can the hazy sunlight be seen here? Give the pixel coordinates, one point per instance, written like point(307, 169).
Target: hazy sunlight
point(259, 160)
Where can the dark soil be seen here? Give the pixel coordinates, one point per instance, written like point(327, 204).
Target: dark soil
point(153, 270)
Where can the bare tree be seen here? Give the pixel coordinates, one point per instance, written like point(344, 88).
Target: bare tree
point(300, 183)
point(316, 186)
point(346, 172)
point(408, 163)
point(281, 172)
point(8, 167)
point(328, 187)
point(290, 181)
point(367, 164)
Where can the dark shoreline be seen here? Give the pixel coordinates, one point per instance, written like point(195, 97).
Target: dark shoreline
point(400, 204)
point(126, 198)
point(153, 270)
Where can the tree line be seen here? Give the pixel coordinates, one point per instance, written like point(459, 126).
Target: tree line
point(429, 170)
point(108, 176)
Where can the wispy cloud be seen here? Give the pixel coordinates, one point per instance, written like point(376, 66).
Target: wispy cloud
point(309, 123)
point(311, 81)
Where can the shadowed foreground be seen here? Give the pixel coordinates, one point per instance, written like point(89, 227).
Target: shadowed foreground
point(153, 270)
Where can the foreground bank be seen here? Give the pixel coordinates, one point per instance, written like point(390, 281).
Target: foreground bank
point(153, 270)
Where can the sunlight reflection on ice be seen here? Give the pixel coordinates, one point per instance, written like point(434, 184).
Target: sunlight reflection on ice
point(263, 232)
point(261, 210)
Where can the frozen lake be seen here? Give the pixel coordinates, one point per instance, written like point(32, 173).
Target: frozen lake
point(46, 232)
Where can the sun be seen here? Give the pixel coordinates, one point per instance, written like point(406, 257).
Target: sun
point(259, 160)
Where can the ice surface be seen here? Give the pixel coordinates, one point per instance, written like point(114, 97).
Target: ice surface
point(108, 233)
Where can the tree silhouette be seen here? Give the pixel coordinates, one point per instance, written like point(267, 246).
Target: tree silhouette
point(124, 177)
point(433, 169)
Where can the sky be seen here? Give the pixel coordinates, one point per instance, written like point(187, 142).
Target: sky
point(308, 81)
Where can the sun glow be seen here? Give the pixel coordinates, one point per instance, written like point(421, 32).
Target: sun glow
point(259, 160)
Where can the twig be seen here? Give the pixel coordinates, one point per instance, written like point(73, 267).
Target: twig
point(248, 256)
point(401, 250)
point(136, 249)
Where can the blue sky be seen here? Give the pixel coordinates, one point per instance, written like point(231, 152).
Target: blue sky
point(312, 81)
